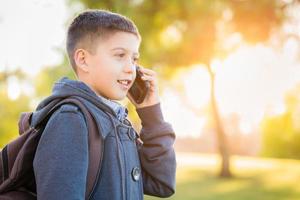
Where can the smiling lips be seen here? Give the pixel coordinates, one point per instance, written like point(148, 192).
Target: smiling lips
point(125, 84)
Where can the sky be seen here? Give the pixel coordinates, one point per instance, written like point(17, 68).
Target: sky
point(31, 31)
point(251, 81)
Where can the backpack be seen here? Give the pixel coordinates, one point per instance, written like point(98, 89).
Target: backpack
point(16, 158)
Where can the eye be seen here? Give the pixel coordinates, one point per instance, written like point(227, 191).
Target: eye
point(120, 55)
point(135, 60)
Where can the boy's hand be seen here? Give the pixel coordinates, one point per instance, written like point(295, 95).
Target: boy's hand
point(152, 96)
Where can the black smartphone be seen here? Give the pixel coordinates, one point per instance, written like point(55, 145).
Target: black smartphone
point(139, 88)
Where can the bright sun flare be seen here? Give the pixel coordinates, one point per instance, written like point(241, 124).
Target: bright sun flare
point(252, 82)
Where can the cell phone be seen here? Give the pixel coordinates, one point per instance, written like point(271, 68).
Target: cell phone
point(139, 88)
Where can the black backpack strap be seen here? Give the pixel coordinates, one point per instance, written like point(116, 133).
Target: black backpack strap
point(95, 141)
point(4, 158)
point(24, 122)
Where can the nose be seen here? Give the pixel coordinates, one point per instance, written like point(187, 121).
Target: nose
point(129, 67)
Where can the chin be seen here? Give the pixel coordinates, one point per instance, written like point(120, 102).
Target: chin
point(118, 97)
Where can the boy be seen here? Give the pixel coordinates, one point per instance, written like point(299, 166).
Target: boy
point(103, 51)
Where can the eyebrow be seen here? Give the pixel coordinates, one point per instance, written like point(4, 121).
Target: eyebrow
point(121, 48)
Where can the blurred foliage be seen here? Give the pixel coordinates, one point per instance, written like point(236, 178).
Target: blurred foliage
point(10, 110)
point(181, 33)
point(256, 19)
point(10, 117)
point(281, 133)
point(49, 75)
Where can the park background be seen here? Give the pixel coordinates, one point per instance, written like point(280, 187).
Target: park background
point(229, 78)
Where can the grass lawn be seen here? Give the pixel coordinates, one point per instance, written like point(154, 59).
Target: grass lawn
point(254, 179)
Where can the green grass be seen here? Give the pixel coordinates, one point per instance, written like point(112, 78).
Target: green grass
point(254, 179)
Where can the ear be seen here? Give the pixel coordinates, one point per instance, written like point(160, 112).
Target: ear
point(80, 57)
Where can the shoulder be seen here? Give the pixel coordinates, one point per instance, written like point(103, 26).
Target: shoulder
point(67, 115)
point(65, 124)
point(67, 109)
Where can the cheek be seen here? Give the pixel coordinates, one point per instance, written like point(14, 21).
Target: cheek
point(107, 62)
point(106, 68)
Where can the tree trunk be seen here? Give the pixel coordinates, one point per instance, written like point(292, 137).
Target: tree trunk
point(221, 136)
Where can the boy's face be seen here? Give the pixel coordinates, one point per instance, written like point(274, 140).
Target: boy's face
point(111, 67)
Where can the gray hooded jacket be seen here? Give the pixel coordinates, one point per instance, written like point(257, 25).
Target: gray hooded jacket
point(127, 171)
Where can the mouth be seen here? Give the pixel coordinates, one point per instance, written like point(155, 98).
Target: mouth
point(125, 83)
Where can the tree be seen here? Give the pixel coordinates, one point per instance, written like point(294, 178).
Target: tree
point(181, 33)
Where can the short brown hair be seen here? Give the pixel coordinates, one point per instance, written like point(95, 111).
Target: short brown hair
point(90, 25)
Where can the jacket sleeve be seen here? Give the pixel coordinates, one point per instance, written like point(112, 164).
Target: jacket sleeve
point(157, 154)
point(61, 160)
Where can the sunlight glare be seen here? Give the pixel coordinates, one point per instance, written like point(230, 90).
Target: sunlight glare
point(276, 109)
point(197, 86)
point(13, 89)
point(245, 127)
point(184, 121)
point(253, 78)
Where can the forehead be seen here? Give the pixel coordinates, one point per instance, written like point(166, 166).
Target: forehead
point(120, 41)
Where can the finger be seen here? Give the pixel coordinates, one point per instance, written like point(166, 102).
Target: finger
point(148, 71)
point(152, 81)
point(148, 78)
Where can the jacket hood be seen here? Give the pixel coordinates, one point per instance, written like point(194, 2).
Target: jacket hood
point(65, 88)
